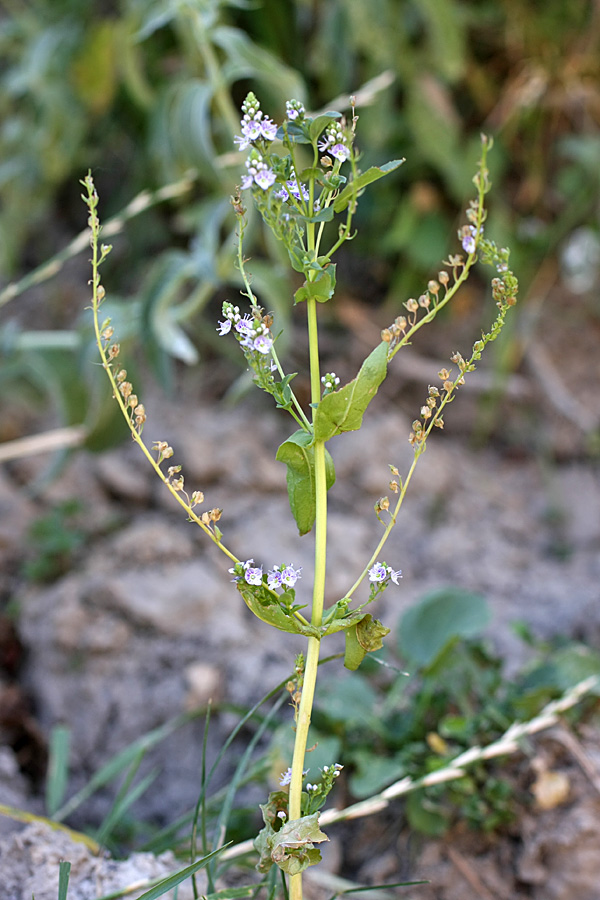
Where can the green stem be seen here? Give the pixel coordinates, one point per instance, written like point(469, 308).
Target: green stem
point(312, 657)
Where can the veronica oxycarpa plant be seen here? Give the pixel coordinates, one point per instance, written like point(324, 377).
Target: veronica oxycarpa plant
point(303, 176)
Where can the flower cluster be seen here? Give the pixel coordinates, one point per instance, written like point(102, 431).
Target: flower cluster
point(381, 572)
point(294, 110)
point(282, 576)
point(316, 793)
point(251, 331)
point(293, 188)
point(247, 572)
point(329, 381)
point(254, 125)
point(258, 132)
point(380, 576)
point(334, 142)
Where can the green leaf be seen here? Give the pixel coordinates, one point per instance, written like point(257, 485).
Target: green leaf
point(173, 880)
point(272, 613)
point(364, 637)
point(427, 628)
point(354, 652)
point(58, 768)
point(372, 773)
point(318, 125)
point(425, 816)
point(324, 215)
point(292, 847)
point(370, 633)
point(299, 456)
point(352, 190)
point(64, 871)
point(343, 410)
point(247, 60)
point(322, 288)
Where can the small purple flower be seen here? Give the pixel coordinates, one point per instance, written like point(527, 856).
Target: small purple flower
point(468, 243)
point(242, 142)
point(264, 177)
point(395, 576)
point(247, 182)
point(268, 129)
point(323, 145)
point(340, 151)
point(290, 575)
point(252, 129)
point(294, 109)
point(469, 234)
point(274, 578)
point(286, 777)
point(224, 327)
point(244, 326)
point(378, 573)
point(262, 343)
point(253, 575)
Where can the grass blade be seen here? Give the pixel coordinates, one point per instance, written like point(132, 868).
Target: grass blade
point(58, 768)
point(123, 759)
point(64, 870)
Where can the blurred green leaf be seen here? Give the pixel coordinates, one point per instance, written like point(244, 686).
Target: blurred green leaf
point(427, 628)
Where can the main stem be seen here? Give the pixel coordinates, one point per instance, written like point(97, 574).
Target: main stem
point(312, 656)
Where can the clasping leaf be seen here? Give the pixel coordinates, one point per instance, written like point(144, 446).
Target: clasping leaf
point(343, 410)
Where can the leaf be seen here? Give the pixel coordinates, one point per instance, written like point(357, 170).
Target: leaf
point(299, 456)
point(372, 773)
point(247, 60)
point(425, 816)
point(364, 637)
point(273, 614)
point(324, 215)
point(441, 617)
point(354, 653)
point(58, 768)
point(159, 890)
point(64, 871)
point(292, 847)
point(318, 125)
point(352, 190)
point(343, 410)
point(322, 288)
point(370, 633)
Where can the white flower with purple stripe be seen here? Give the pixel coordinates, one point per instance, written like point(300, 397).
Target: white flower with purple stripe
point(262, 343)
point(253, 574)
point(380, 572)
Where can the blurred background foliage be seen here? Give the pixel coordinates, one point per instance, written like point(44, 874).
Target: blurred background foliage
point(147, 92)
